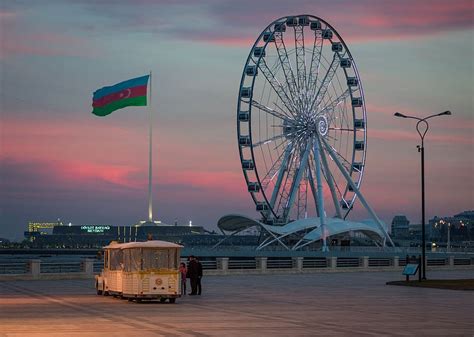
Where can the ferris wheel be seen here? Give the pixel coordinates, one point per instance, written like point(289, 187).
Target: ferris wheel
point(301, 122)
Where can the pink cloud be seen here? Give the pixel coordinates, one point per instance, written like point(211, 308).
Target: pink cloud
point(377, 22)
point(203, 183)
point(229, 41)
point(68, 175)
point(114, 154)
point(38, 138)
point(83, 171)
point(5, 15)
point(360, 21)
point(387, 111)
point(46, 44)
point(397, 135)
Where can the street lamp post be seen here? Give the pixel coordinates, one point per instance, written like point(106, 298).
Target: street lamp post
point(422, 127)
point(448, 245)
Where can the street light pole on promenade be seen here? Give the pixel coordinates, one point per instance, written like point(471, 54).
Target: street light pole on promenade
point(422, 127)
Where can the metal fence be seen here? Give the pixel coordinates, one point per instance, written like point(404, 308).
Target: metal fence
point(206, 264)
point(348, 262)
point(14, 268)
point(436, 262)
point(280, 263)
point(60, 267)
point(218, 265)
point(242, 264)
point(320, 262)
point(463, 262)
point(377, 262)
point(98, 265)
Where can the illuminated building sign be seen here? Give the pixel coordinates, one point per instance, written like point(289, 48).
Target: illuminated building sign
point(95, 229)
point(37, 226)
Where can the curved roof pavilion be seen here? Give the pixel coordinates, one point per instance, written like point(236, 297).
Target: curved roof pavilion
point(144, 244)
point(236, 223)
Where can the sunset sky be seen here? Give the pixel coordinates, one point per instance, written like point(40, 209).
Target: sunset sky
point(58, 160)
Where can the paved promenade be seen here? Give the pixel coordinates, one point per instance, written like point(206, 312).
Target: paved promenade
point(335, 304)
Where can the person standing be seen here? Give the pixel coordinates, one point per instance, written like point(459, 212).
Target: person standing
point(183, 271)
point(199, 287)
point(193, 274)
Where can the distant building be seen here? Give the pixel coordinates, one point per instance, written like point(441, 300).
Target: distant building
point(467, 215)
point(99, 235)
point(460, 227)
point(4, 242)
point(400, 227)
point(37, 228)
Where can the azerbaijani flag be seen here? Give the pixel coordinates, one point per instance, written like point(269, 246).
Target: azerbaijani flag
point(128, 93)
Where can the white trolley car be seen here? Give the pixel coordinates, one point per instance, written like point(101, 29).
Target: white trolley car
point(141, 270)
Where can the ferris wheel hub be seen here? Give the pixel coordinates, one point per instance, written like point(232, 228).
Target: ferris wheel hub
point(322, 125)
point(308, 124)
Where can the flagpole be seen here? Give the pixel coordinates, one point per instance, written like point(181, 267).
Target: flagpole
point(150, 207)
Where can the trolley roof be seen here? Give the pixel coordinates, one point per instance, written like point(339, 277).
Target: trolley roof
point(145, 244)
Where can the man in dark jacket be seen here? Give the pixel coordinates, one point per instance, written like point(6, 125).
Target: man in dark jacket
point(199, 287)
point(193, 274)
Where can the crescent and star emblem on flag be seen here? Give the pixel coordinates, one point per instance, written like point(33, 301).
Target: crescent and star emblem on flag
point(126, 93)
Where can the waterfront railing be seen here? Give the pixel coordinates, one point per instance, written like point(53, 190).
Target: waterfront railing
point(37, 269)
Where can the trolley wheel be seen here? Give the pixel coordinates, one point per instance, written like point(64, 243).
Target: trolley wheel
point(172, 300)
point(99, 292)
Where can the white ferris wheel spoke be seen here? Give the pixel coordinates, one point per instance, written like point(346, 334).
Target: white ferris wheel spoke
point(341, 129)
point(341, 157)
point(267, 141)
point(315, 64)
point(271, 111)
point(278, 163)
point(281, 173)
point(286, 66)
point(329, 107)
point(300, 58)
point(277, 86)
point(319, 95)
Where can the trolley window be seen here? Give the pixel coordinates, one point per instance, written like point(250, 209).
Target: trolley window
point(115, 259)
point(159, 258)
point(132, 260)
point(106, 259)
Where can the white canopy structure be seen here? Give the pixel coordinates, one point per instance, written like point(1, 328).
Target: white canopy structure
point(309, 230)
point(145, 244)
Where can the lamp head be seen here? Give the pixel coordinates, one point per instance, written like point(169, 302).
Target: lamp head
point(398, 114)
point(445, 113)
